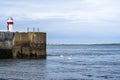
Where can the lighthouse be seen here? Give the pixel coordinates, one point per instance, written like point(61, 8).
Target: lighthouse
point(10, 24)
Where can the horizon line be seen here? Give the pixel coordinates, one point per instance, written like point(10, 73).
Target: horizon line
point(85, 44)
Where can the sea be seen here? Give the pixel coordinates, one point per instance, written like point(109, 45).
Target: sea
point(75, 62)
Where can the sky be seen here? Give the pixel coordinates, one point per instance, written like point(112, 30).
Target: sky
point(66, 21)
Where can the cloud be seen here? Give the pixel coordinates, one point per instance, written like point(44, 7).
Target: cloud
point(66, 18)
point(82, 10)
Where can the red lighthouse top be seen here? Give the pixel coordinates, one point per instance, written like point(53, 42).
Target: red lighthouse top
point(10, 20)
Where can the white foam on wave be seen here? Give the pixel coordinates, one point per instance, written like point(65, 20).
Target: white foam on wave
point(61, 56)
point(70, 57)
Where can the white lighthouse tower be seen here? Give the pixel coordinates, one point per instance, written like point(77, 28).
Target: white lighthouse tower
point(10, 24)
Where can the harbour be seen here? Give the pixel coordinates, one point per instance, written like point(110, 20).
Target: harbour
point(17, 44)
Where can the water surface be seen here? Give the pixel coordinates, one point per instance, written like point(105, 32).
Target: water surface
point(66, 63)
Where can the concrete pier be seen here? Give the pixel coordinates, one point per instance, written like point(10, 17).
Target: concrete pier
point(22, 45)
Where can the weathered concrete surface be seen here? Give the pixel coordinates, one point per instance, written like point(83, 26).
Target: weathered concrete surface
point(23, 44)
point(6, 39)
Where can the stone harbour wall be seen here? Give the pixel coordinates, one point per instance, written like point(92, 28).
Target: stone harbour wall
point(23, 45)
point(6, 40)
